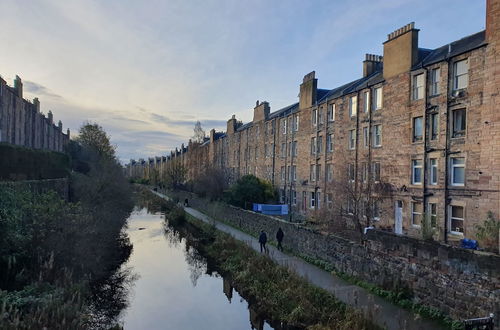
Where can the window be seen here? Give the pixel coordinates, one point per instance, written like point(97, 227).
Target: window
point(376, 172)
point(312, 173)
point(320, 115)
point(284, 124)
point(458, 124)
point(318, 200)
point(353, 105)
point(296, 123)
point(416, 171)
point(320, 145)
point(283, 150)
point(313, 146)
point(435, 73)
point(331, 112)
point(457, 219)
point(418, 86)
point(294, 173)
point(377, 103)
point(434, 123)
point(329, 200)
point(329, 142)
point(289, 149)
point(314, 117)
point(313, 200)
point(417, 129)
point(283, 173)
point(282, 196)
point(457, 171)
point(266, 151)
point(318, 173)
point(433, 214)
point(376, 210)
point(294, 197)
point(350, 206)
point(350, 172)
point(377, 135)
point(352, 139)
point(329, 172)
point(364, 173)
point(433, 179)
point(294, 149)
point(416, 214)
point(289, 173)
point(366, 137)
point(461, 74)
point(367, 101)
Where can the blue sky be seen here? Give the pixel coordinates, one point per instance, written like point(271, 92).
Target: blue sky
point(147, 70)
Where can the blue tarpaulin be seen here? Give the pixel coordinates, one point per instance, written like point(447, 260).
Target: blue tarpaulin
point(271, 209)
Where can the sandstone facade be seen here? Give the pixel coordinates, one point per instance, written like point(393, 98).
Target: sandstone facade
point(22, 123)
point(423, 122)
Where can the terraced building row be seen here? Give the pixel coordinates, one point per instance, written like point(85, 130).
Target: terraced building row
point(418, 134)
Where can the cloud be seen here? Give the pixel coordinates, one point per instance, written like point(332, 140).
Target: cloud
point(39, 90)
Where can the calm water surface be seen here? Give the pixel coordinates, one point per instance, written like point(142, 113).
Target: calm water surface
point(172, 289)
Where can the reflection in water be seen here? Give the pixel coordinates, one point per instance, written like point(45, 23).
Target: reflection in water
point(166, 282)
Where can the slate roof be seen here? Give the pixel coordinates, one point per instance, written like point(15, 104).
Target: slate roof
point(454, 48)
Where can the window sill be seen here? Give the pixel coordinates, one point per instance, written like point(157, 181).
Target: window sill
point(415, 226)
point(456, 234)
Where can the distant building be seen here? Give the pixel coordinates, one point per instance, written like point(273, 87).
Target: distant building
point(424, 122)
point(22, 123)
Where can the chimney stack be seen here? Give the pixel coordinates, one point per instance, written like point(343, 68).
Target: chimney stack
point(51, 117)
point(400, 50)
point(18, 86)
point(261, 111)
point(371, 64)
point(36, 103)
point(308, 90)
point(231, 125)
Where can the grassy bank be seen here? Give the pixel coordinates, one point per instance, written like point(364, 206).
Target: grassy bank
point(274, 290)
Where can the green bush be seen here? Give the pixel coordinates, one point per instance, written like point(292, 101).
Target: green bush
point(250, 189)
point(19, 163)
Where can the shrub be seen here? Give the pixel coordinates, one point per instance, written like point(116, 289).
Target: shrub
point(488, 233)
point(250, 189)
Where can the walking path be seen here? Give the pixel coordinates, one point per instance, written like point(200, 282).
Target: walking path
point(379, 310)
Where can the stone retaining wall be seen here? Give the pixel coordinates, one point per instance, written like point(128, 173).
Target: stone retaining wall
point(461, 283)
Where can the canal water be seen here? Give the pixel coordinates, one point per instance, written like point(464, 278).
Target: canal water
point(171, 286)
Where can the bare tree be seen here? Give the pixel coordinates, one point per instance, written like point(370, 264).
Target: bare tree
point(199, 133)
point(356, 194)
point(175, 174)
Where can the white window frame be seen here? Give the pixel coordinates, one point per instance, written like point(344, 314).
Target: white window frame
point(294, 148)
point(351, 172)
point(414, 214)
point(312, 201)
point(433, 171)
point(457, 75)
point(329, 200)
point(331, 112)
point(431, 128)
point(435, 81)
point(312, 173)
point(294, 172)
point(414, 137)
point(318, 200)
point(378, 94)
point(294, 197)
point(319, 148)
point(414, 167)
point(432, 215)
point(296, 123)
point(366, 139)
point(314, 145)
point(353, 105)
point(451, 217)
point(452, 173)
point(352, 139)
point(377, 129)
point(283, 174)
point(314, 117)
point(329, 142)
point(458, 133)
point(366, 98)
point(375, 172)
point(284, 124)
point(283, 150)
point(329, 170)
point(418, 86)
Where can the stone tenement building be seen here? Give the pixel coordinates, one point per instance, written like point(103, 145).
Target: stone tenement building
point(22, 123)
point(424, 124)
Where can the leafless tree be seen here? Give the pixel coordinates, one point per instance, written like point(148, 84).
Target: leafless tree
point(199, 133)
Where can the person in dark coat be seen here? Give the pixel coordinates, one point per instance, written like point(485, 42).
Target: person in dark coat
point(279, 238)
point(263, 241)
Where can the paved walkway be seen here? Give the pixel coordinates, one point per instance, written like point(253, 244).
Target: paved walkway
point(379, 310)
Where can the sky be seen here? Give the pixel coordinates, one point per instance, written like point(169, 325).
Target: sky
point(147, 70)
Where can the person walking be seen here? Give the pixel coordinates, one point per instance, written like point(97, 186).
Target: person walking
point(279, 238)
point(263, 241)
